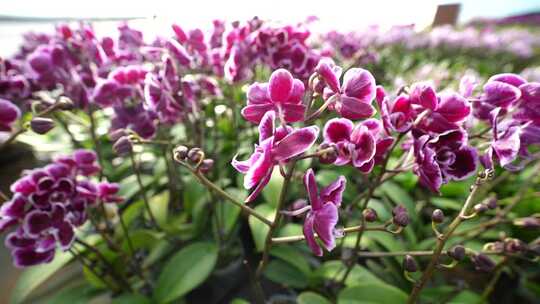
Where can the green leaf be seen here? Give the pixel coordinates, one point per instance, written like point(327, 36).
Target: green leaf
point(159, 204)
point(434, 294)
point(239, 301)
point(93, 279)
point(293, 256)
point(282, 273)
point(334, 270)
point(309, 297)
point(132, 212)
point(78, 294)
point(258, 229)
point(399, 196)
point(466, 297)
point(142, 238)
point(131, 299)
point(446, 203)
point(196, 194)
point(228, 213)
point(272, 191)
point(372, 292)
point(35, 276)
point(290, 229)
point(186, 270)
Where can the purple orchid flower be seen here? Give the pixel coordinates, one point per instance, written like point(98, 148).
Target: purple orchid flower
point(9, 113)
point(500, 90)
point(275, 146)
point(282, 94)
point(398, 114)
point(352, 99)
point(362, 145)
point(444, 111)
point(529, 107)
point(443, 157)
point(323, 213)
point(49, 203)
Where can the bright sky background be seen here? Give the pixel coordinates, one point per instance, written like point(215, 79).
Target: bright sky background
point(333, 14)
point(348, 13)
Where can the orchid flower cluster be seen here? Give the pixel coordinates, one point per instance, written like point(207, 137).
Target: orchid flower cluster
point(322, 121)
point(49, 204)
point(520, 43)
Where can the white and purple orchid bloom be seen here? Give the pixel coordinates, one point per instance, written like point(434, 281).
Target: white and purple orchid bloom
point(500, 91)
point(282, 94)
point(352, 99)
point(362, 145)
point(49, 203)
point(529, 106)
point(445, 111)
point(511, 139)
point(9, 113)
point(443, 157)
point(276, 146)
point(512, 134)
point(322, 215)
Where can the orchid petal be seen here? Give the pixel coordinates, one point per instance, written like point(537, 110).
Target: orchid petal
point(337, 129)
point(295, 143)
point(280, 86)
point(309, 234)
point(312, 190)
point(324, 224)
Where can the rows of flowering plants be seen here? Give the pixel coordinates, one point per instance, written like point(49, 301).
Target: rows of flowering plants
point(261, 163)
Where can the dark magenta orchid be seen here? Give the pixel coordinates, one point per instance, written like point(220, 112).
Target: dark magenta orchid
point(500, 91)
point(49, 204)
point(440, 112)
point(323, 215)
point(282, 94)
point(276, 146)
point(443, 157)
point(362, 145)
point(9, 113)
point(352, 99)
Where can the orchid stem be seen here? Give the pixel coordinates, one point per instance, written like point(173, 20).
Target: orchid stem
point(296, 238)
point(107, 264)
point(275, 223)
point(225, 195)
point(143, 190)
point(12, 137)
point(491, 285)
point(92, 270)
point(441, 241)
point(371, 190)
point(96, 142)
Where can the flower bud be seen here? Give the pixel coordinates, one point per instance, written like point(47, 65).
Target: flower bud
point(181, 152)
point(400, 216)
point(457, 253)
point(409, 264)
point(491, 202)
point(483, 263)
point(370, 215)
point(65, 104)
point(479, 208)
point(401, 219)
point(116, 134)
point(123, 146)
point(329, 155)
point(195, 155)
point(514, 246)
point(41, 125)
point(437, 216)
point(528, 222)
point(206, 165)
